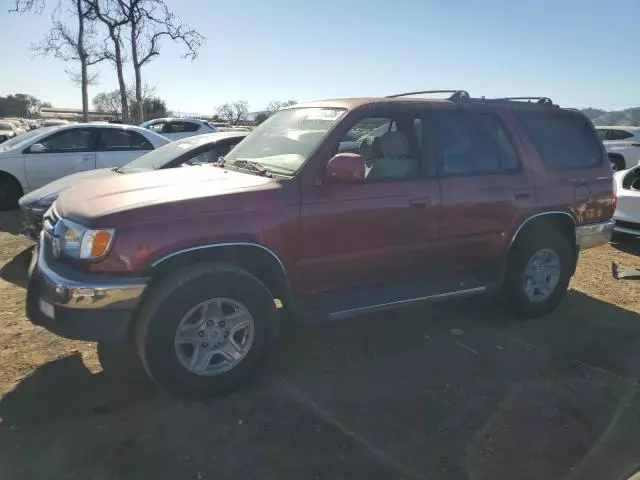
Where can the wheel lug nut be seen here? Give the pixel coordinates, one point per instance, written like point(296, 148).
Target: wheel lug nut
point(226, 334)
point(209, 323)
point(222, 323)
point(205, 344)
point(200, 333)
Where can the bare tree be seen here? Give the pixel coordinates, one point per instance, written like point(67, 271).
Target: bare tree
point(110, 15)
point(73, 44)
point(150, 21)
point(108, 103)
point(23, 6)
point(233, 112)
point(276, 105)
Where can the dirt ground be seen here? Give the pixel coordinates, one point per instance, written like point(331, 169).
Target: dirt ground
point(455, 390)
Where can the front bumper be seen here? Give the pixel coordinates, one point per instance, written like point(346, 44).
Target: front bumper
point(594, 234)
point(629, 228)
point(79, 305)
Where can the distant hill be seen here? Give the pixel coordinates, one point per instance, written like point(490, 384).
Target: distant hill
point(630, 116)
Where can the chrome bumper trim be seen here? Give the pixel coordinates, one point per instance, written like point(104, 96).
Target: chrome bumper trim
point(594, 234)
point(69, 288)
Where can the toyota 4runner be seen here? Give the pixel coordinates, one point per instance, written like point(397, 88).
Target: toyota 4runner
point(326, 211)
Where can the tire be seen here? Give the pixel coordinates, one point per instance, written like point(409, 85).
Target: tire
point(169, 307)
point(10, 192)
point(514, 288)
point(617, 163)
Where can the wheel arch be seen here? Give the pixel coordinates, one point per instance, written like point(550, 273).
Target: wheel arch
point(556, 220)
point(255, 258)
point(12, 178)
point(618, 155)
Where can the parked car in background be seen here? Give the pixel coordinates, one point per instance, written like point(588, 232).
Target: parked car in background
point(196, 267)
point(7, 131)
point(627, 214)
point(52, 122)
point(40, 156)
point(176, 128)
point(191, 151)
point(622, 145)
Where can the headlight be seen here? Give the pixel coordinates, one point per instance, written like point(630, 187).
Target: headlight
point(84, 243)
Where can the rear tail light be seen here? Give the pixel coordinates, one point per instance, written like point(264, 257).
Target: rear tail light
point(611, 200)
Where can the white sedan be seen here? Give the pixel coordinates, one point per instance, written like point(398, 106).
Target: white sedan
point(35, 158)
point(627, 214)
point(177, 128)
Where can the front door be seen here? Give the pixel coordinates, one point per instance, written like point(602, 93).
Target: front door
point(485, 189)
point(65, 152)
point(378, 231)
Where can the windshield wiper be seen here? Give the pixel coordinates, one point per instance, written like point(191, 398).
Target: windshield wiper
point(117, 170)
point(248, 165)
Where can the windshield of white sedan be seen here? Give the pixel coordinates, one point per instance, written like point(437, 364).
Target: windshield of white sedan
point(161, 156)
point(283, 142)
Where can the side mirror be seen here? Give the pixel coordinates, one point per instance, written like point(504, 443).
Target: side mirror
point(36, 148)
point(345, 168)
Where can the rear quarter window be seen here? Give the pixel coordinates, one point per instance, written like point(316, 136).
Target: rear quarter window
point(562, 139)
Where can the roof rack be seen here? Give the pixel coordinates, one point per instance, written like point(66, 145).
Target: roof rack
point(538, 100)
point(456, 95)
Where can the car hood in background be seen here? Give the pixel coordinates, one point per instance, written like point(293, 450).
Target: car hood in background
point(63, 183)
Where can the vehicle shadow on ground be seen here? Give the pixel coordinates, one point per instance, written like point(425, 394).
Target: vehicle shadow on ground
point(453, 390)
point(16, 271)
point(11, 222)
point(628, 245)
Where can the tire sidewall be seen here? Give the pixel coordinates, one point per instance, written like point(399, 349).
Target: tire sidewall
point(155, 337)
point(524, 250)
point(9, 193)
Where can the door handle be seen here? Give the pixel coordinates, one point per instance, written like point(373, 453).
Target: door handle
point(522, 195)
point(420, 203)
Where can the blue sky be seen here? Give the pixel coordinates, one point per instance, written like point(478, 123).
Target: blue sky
point(580, 53)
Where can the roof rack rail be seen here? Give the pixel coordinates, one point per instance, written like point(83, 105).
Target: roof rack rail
point(456, 95)
point(539, 100)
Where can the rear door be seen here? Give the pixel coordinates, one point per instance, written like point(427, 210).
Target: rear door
point(65, 152)
point(485, 188)
point(177, 129)
point(119, 146)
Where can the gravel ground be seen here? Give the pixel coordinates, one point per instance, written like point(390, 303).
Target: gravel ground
point(454, 391)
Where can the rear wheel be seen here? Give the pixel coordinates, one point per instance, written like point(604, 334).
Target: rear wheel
point(206, 330)
point(538, 274)
point(10, 192)
point(617, 163)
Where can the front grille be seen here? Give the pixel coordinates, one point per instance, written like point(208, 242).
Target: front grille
point(49, 221)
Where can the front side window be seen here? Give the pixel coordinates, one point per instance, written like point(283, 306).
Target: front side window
point(473, 144)
point(113, 139)
point(602, 133)
point(284, 141)
point(390, 147)
point(562, 139)
point(155, 127)
point(75, 140)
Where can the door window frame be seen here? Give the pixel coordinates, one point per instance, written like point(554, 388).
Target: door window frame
point(430, 118)
point(100, 147)
point(90, 149)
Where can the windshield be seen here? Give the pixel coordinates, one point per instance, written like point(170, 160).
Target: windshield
point(20, 140)
point(285, 140)
point(161, 156)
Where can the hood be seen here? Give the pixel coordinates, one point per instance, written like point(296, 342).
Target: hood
point(57, 186)
point(168, 193)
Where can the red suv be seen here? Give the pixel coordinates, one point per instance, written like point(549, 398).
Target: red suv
point(327, 210)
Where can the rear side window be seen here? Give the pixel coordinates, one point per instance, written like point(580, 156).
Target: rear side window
point(618, 135)
point(179, 127)
point(473, 144)
point(563, 140)
point(602, 134)
point(113, 139)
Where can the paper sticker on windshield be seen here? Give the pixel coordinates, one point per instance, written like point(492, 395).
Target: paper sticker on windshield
point(324, 114)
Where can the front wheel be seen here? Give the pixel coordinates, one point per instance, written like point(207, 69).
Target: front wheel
point(538, 274)
point(206, 329)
